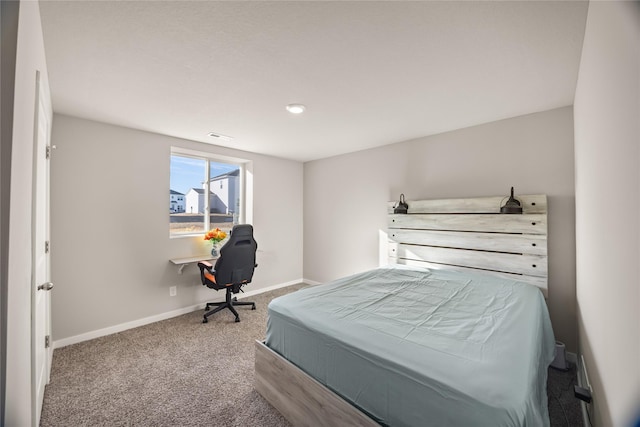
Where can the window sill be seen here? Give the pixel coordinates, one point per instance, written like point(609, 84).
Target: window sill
point(186, 235)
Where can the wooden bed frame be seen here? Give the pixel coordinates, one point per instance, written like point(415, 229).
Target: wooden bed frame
point(298, 397)
point(453, 234)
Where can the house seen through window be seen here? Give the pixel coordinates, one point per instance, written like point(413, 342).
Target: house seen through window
point(192, 178)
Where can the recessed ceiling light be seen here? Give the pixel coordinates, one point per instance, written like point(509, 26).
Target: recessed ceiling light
point(220, 136)
point(296, 108)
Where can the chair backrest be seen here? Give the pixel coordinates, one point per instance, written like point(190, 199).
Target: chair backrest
point(237, 257)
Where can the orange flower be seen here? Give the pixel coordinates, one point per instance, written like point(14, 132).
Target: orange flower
point(216, 235)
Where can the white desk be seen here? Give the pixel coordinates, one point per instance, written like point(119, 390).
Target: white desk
point(182, 262)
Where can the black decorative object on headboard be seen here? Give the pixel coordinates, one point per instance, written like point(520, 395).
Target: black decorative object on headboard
point(401, 207)
point(512, 206)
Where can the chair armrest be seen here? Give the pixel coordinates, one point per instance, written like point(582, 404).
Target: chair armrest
point(204, 265)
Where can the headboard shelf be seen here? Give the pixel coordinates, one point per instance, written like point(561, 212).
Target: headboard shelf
point(530, 204)
point(472, 235)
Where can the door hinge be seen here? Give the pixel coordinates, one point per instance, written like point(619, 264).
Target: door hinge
point(46, 247)
point(47, 341)
point(48, 151)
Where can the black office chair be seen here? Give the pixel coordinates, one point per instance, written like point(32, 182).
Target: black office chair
point(233, 269)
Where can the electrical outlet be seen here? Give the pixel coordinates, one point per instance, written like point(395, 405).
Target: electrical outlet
point(173, 291)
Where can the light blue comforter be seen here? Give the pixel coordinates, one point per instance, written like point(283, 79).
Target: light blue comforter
point(418, 347)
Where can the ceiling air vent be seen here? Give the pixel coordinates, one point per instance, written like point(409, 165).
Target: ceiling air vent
point(220, 136)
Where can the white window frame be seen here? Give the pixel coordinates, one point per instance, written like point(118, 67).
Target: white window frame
point(210, 157)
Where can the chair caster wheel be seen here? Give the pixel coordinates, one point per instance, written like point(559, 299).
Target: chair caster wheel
point(237, 319)
point(253, 307)
point(205, 320)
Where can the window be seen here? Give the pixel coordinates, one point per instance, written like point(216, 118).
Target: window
point(193, 176)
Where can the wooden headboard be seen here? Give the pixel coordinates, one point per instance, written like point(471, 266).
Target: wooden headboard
point(472, 235)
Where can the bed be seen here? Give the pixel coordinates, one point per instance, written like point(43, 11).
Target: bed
point(430, 339)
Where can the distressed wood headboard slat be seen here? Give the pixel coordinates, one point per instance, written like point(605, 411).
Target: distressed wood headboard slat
point(508, 224)
point(533, 244)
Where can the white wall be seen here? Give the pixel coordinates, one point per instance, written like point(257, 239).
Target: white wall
point(30, 57)
point(345, 197)
point(111, 264)
point(607, 162)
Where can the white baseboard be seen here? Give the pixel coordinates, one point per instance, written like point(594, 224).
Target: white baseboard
point(158, 317)
point(269, 288)
point(311, 282)
point(583, 381)
point(123, 326)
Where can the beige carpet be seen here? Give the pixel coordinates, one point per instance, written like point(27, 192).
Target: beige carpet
point(177, 372)
point(181, 372)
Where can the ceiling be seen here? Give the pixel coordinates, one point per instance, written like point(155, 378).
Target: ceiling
point(370, 73)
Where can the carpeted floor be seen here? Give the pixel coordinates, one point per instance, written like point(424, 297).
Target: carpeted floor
point(564, 407)
point(181, 372)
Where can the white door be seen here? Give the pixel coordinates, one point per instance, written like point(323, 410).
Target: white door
point(41, 350)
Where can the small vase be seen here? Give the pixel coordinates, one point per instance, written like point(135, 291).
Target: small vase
point(214, 251)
